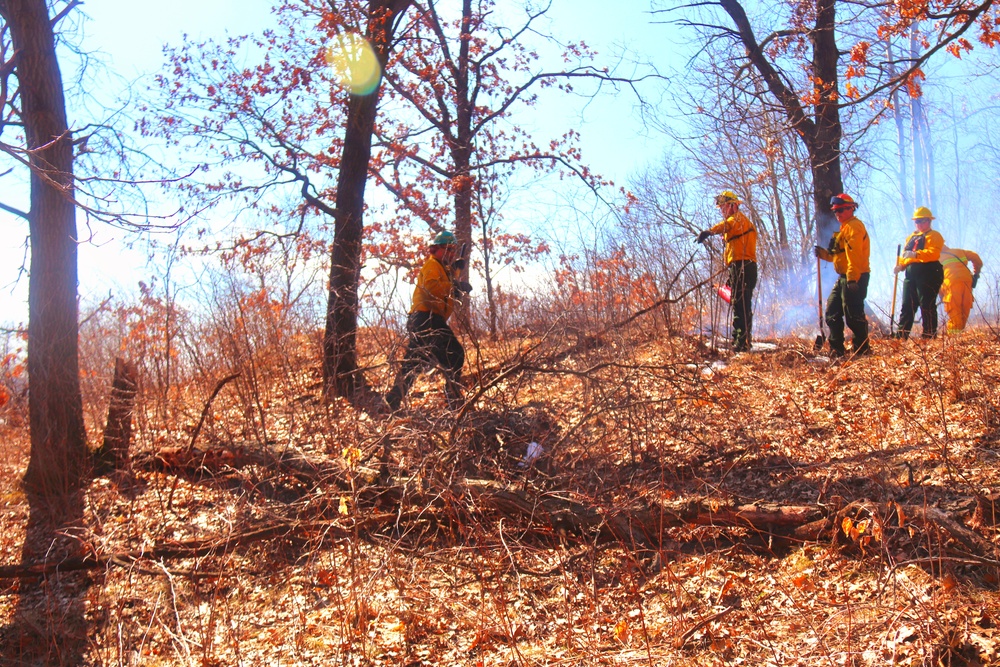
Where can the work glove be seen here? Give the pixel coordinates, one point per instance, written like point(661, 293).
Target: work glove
point(702, 236)
point(909, 254)
point(853, 286)
point(975, 279)
point(458, 264)
point(898, 268)
point(818, 250)
point(463, 287)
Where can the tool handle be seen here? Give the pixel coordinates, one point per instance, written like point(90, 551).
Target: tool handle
point(895, 282)
point(819, 292)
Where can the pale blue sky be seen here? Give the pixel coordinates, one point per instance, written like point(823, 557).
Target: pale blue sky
point(614, 142)
point(130, 37)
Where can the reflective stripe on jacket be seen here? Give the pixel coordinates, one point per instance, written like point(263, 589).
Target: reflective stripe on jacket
point(740, 236)
point(955, 262)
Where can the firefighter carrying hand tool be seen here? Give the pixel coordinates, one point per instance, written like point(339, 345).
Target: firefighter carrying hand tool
point(741, 261)
point(959, 281)
point(924, 275)
point(849, 251)
point(430, 339)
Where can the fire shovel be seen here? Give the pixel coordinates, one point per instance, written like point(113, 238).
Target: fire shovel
point(821, 338)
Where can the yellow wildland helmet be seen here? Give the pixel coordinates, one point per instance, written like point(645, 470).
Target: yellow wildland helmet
point(923, 212)
point(727, 197)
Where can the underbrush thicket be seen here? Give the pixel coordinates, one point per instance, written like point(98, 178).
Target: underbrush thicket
point(688, 506)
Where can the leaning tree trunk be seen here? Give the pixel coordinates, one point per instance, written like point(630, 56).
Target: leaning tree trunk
point(822, 132)
point(58, 462)
point(341, 376)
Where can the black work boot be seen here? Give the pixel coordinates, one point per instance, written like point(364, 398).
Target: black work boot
point(837, 350)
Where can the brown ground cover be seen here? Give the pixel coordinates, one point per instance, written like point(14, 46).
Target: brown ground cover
point(691, 507)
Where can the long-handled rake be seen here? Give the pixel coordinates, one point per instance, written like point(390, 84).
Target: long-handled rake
point(821, 338)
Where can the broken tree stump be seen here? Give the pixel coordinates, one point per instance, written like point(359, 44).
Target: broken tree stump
point(114, 451)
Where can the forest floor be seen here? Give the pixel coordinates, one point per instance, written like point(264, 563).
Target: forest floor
point(689, 507)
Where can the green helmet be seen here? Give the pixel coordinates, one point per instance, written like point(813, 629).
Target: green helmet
point(444, 238)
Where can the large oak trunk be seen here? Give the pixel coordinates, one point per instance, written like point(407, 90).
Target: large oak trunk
point(58, 443)
point(341, 376)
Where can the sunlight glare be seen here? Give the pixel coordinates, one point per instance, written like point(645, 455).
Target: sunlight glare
point(354, 64)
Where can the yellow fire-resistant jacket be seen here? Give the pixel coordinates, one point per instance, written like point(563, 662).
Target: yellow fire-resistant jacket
point(955, 263)
point(926, 246)
point(433, 293)
point(850, 250)
point(740, 236)
point(956, 290)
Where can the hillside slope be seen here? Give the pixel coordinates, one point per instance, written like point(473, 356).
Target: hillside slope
point(689, 507)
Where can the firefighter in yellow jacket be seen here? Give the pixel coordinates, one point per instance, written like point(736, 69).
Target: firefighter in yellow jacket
point(430, 339)
point(849, 250)
point(959, 281)
point(741, 261)
point(924, 275)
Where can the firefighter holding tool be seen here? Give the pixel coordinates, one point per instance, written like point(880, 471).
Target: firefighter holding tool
point(741, 262)
point(849, 250)
point(924, 275)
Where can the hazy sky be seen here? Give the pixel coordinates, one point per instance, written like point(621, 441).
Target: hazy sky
point(131, 35)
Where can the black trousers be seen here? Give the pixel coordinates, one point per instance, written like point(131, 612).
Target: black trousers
point(846, 306)
point(920, 290)
point(742, 281)
point(430, 342)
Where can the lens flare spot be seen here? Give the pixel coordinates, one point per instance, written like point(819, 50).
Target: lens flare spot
point(353, 63)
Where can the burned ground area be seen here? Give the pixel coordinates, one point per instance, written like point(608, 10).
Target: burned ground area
point(638, 499)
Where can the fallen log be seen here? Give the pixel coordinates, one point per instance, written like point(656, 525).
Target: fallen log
point(641, 524)
point(639, 527)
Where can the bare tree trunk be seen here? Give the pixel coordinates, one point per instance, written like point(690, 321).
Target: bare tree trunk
point(824, 149)
point(58, 462)
point(781, 226)
point(923, 157)
point(925, 135)
point(341, 376)
point(958, 166)
point(897, 113)
point(488, 278)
